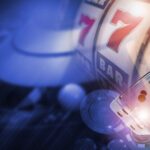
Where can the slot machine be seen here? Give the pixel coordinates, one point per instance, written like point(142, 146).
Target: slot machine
point(114, 39)
point(114, 42)
point(89, 15)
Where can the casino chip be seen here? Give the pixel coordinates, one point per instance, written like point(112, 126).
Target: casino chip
point(96, 112)
point(117, 144)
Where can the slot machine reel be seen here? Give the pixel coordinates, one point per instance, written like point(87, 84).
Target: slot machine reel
point(117, 50)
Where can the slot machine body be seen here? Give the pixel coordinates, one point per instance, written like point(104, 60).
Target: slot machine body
point(115, 44)
point(113, 39)
point(89, 15)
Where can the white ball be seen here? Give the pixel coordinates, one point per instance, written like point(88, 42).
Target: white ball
point(70, 96)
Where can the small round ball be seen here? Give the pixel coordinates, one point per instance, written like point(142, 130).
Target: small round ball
point(70, 96)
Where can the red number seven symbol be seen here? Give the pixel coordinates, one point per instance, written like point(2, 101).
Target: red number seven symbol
point(88, 24)
point(118, 36)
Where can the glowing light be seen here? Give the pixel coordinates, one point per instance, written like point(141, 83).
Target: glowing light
point(137, 9)
point(143, 115)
